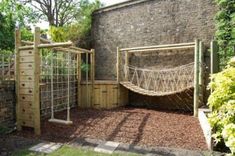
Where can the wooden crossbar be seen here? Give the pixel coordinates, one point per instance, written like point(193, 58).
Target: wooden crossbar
point(159, 46)
point(161, 49)
point(68, 50)
point(27, 42)
point(80, 49)
point(51, 45)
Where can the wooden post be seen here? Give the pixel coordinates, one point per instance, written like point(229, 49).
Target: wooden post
point(126, 65)
point(79, 79)
point(201, 71)
point(17, 78)
point(36, 98)
point(87, 77)
point(196, 78)
point(214, 57)
point(118, 64)
point(92, 61)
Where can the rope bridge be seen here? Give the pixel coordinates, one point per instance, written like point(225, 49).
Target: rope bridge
point(161, 82)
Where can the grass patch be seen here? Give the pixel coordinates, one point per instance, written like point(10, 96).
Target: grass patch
point(69, 151)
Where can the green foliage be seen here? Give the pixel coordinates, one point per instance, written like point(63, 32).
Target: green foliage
point(12, 12)
point(85, 67)
point(18, 12)
point(26, 34)
point(7, 27)
point(222, 103)
point(80, 31)
point(225, 24)
point(7, 31)
point(58, 34)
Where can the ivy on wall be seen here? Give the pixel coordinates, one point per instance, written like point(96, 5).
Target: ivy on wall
point(225, 34)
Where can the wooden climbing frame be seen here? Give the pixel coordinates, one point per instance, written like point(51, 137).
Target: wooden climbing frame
point(198, 85)
point(29, 71)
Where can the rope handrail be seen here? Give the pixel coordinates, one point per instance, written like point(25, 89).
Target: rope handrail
point(160, 82)
point(160, 70)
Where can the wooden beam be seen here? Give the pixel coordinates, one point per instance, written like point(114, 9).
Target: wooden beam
point(80, 49)
point(26, 47)
point(52, 45)
point(92, 62)
point(67, 50)
point(196, 78)
point(36, 95)
point(159, 46)
point(79, 62)
point(161, 49)
point(214, 57)
point(17, 78)
point(27, 42)
point(126, 65)
point(87, 79)
point(201, 72)
point(118, 65)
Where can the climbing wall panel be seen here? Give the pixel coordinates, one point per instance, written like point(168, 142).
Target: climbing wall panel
point(25, 85)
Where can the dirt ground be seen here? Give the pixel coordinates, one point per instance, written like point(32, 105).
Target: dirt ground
point(134, 126)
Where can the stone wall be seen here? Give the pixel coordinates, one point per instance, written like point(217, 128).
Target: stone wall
point(149, 22)
point(7, 103)
point(152, 22)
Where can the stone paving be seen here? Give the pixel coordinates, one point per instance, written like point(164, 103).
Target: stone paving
point(148, 151)
point(45, 147)
point(9, 144)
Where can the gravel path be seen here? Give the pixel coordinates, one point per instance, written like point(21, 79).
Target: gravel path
point(133, 126)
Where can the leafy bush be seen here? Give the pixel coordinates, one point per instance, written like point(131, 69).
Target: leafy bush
point(222, 103)
point(225, 33)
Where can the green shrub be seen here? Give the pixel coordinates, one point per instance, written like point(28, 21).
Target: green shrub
point(222, 103)
point(225, 30)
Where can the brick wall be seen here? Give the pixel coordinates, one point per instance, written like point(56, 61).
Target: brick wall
point(152, 22)
point(7, 103)
point(149, 22)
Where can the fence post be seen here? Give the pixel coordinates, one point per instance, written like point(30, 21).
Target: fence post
point(17, 78)
point(196, 78)
point(36, 98)
point(201, 71)
point(92, 62)
point(79, 79)
point(214, 57)
point(126, 65)
point(118, 64)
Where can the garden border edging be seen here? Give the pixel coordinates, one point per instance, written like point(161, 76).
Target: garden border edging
point(205, 125)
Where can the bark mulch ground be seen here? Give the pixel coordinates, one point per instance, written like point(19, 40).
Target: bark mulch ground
point(133, 126)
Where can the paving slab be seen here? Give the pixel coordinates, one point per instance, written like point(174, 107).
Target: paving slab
point(107, 147)
point(45, 147)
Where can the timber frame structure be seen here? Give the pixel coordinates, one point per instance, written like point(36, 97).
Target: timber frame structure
point(89, 93)
point(27, 76)
point(199, 50)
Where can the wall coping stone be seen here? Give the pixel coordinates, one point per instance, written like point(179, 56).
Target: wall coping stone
point(118, 6)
